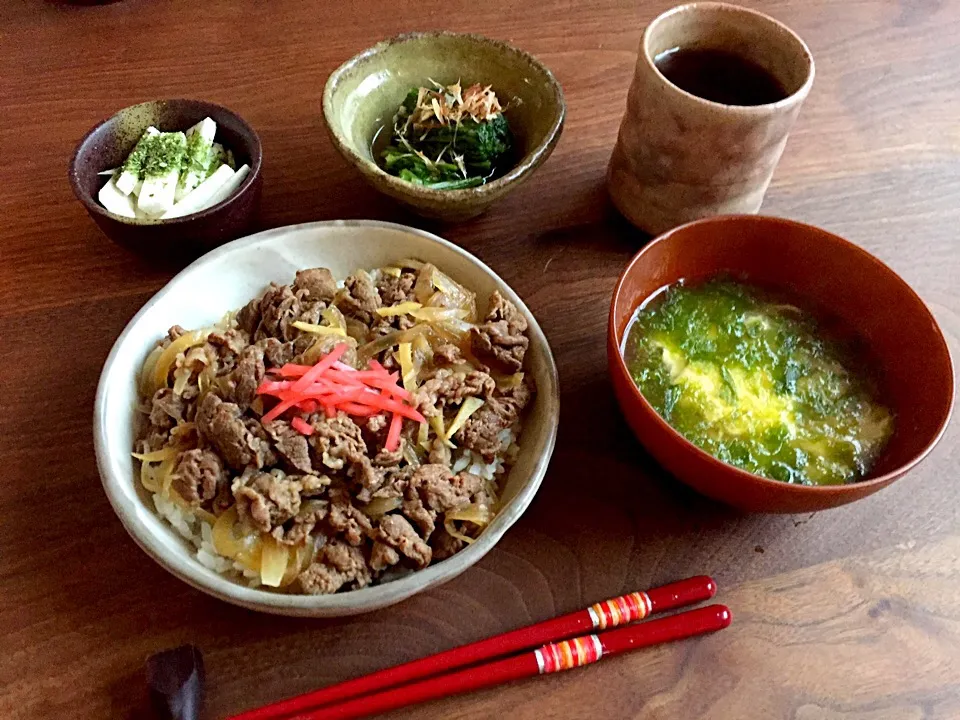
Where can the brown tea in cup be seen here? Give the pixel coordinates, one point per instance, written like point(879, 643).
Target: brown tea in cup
point(714, 95)
point(720, 76)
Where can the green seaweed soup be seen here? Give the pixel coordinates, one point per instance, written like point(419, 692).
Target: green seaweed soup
point(755, 383)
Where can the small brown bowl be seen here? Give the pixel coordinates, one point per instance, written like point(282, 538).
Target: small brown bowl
point(837, 281)
point(362, 96)
point(107, 146)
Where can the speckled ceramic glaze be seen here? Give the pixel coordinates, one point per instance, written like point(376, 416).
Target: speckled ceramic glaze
point(226, 279)
point(679, 157)
point(363, 94)
point(107, 146)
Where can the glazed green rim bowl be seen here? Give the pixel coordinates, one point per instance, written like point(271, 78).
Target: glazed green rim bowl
point(362, 96)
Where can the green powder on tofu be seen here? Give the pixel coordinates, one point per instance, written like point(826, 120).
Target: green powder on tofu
point(165, 153)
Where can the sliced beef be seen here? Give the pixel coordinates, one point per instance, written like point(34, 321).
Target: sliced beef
point(155, 440)
point(313, 485)
point(385, 458)
point(395, 482)
point(248, 319)
point(175, 332)
point(336, 441)
point(344, 518)
point(482, 431)
point(166, 409)
point(276, 353)
point(394, 290)
point(422, 516)
point(444, 544)
point(359, 298)
point(367, 476)
point(337, 564)
point(439, 452)
point(306, 348)
point(387, 325)
point(241, 442)
point(291, 445)
point(260, 442)
point(296, 530)
point(383, 556)
point(266, 500)
point(446, 354)
point(311, 312)
point(441, 490)
point(321, 345)
point(432, 490)
point(501, 340)
point(278, 308)
point(318, 283)
point(199, 356)
point(397, 532)
point(222, 350)
point(246, 377)
point(448, 387)
point(198, 476)
point(232, 341)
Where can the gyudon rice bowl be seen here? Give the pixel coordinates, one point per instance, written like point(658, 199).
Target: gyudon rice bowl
point(328, 436)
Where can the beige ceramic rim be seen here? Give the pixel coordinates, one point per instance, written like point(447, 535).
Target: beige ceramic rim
point(188, 569)
point(531, 161)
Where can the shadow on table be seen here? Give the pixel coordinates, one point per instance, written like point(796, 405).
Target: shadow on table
point(598, 456)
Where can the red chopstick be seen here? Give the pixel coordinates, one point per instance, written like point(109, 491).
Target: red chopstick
point(611, 613)
point(550, 658)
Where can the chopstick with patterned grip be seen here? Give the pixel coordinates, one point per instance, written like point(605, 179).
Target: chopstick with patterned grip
point(610, 613)
point(554, 657)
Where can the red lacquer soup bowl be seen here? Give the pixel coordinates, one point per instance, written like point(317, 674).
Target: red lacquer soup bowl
point(839, 283)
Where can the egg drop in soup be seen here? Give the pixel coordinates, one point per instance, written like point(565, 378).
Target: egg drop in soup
point(754, 382)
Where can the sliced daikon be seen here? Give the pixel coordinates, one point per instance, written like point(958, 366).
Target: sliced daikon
point(156, 195)
point(200, 197)
point(115, 201)
point(229, 187)
point(161, 171)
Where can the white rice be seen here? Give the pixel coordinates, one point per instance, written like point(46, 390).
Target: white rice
point(474, 464)
point(184, 522)
point(198, 532)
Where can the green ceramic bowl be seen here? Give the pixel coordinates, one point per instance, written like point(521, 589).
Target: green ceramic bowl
point(362, 96)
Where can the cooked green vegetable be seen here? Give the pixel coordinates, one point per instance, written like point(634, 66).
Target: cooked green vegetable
point(751, 381)
point(449, 138)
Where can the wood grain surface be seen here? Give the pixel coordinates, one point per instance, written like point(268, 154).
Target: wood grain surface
point(849, 614)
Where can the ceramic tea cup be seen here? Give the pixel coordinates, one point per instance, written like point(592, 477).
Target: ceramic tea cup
point(680, 156)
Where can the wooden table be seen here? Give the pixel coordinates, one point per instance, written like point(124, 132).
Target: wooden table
point(847, 614)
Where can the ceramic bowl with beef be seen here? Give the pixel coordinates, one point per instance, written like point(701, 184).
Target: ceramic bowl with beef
point(362, 96)
point(227, 479)
point(109, 143)
point(845, 290)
